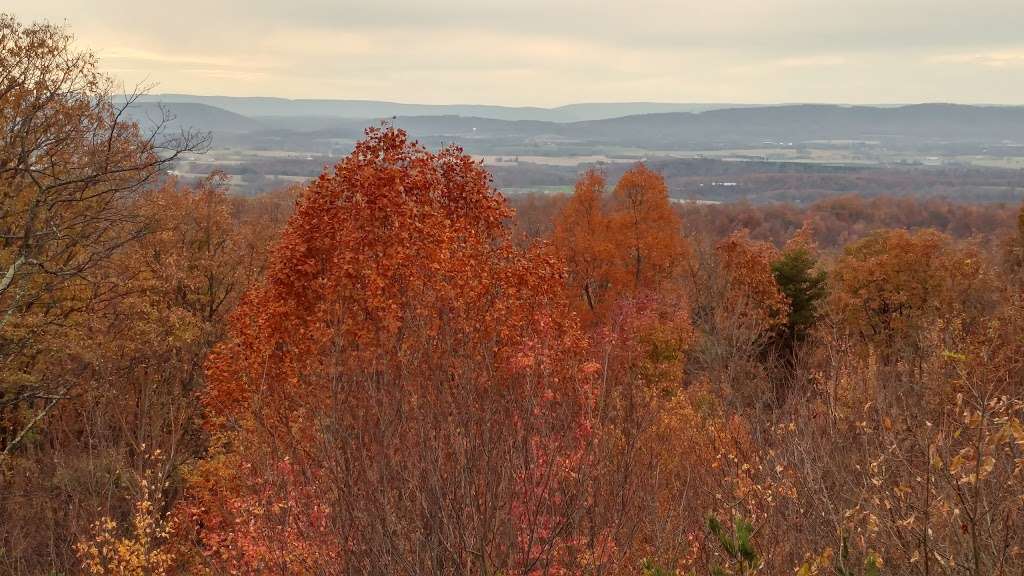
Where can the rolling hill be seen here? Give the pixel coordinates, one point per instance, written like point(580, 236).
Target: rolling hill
point(193, 115)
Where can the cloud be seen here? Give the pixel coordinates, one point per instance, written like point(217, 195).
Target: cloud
point(822, 61)
point(136, 55)
point(998, 59)
point(555, 51)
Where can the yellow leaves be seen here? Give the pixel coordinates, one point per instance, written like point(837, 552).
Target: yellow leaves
point(988, 463)
point(138, 549)
point(954, 356)
point(873, 523)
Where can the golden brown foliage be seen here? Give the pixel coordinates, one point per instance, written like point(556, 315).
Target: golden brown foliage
point(892, 284)
point(137, 366)
point(71, 170)
point(751, 294)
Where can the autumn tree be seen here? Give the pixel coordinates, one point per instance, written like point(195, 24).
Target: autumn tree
point(1015, 247)
point(71, 165)
point(917, 469)
point(405, 391)
point(668, 453)
point(738, 309)
point(891, 285)
point(139, 357)
point(750, 288)
point(647, 230)
point(1020, 228)
point(583, 236)
point(622, 244)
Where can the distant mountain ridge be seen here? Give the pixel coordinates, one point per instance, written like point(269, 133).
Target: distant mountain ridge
point(789, 125)
point(920, 123)
point(256, 106)
point(192, 115)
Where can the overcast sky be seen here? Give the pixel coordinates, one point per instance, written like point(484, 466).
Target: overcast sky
point(551, 52)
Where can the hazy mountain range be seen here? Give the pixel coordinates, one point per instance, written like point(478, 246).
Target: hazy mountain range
point(362, 109)
point(297, 124)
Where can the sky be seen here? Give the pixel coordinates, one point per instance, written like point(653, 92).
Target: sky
point(553, 52)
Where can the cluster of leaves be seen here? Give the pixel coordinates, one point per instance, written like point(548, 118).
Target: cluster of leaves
point(827, 562)
point(143, 550)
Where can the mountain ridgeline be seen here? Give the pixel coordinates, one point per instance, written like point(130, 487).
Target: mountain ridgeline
point(657, 126)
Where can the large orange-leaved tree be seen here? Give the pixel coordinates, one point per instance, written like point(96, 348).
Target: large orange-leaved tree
point(404, 392)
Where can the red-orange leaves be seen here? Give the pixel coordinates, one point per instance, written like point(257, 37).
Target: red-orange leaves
point(620, 244)
point(648, 230)
point(583, 236)
point(422, 378)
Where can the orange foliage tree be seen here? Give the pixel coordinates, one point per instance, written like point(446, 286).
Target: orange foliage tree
point(582, 236)
point(738, 309)
point(404, 393)
point(620, 244)
point(750, 288)
point(647, 229)
point(892, 284)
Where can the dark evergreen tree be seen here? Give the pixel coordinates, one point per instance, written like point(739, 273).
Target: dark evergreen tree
point(795, 273)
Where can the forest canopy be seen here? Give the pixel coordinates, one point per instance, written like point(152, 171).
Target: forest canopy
point(394, 369)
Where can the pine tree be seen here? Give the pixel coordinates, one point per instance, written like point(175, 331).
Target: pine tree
point(804, 287)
